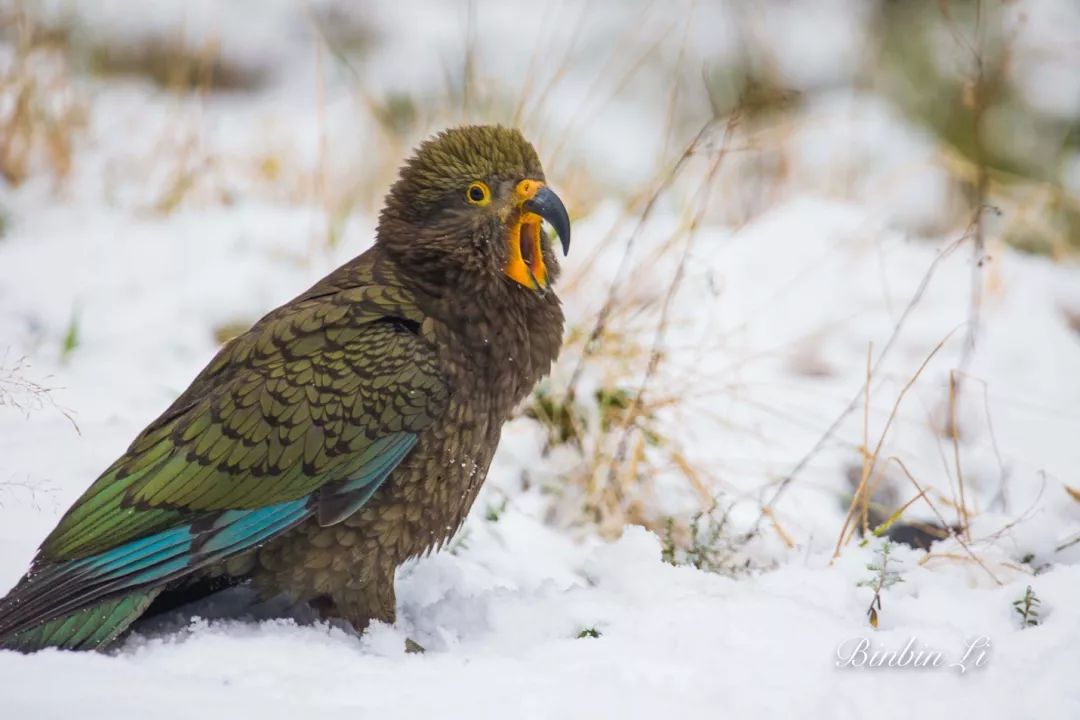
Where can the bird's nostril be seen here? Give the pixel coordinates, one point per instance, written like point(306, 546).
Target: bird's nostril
point(526, 189)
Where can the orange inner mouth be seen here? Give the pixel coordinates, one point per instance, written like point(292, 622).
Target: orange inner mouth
point(526, 261)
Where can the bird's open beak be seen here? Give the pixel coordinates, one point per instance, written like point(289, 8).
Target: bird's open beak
point(536, 202)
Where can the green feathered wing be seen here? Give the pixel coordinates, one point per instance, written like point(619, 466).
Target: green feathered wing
point(303, 416)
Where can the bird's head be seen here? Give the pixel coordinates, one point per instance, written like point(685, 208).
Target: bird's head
point(473, 200)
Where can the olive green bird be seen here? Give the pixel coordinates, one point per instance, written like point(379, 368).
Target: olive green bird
point(347, 431)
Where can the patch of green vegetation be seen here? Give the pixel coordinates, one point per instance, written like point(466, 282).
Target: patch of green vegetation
point(567, 421)
point(460, 542)
point(884, 576)
point(71, 338)
point(615, 403)
point(562, 420)
point(1028, 608)
point(702, 543)
point(174, 65)
point(971, 106)
point(492, 512)
point(398, 113)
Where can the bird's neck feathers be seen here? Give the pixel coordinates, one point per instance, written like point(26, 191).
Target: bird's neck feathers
point(488, 317)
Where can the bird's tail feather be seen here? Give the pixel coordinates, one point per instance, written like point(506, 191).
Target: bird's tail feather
point(116, 581)
point(86, 602)
point(86, 629)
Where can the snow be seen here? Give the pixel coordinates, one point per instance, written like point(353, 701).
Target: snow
point(782, 300)
point(502, 638)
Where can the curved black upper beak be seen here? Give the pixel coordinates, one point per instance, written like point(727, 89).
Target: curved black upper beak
point(547, 205)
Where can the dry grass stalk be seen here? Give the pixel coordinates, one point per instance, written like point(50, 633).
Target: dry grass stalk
point(861, 501)
point(611, 299)
point(24, 395)
point(827, 436)
point(963, 519)
point(35, 492)
point(44, 112)
point(656, 355)
point(944, 524)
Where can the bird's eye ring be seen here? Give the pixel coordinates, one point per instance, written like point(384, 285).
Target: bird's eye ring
point(478, 194)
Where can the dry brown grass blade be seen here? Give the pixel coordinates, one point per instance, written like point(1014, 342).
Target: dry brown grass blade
point(520, 117)
point(862, 493)
point(897, 514)
point(962, 517)
point(42, 112)
point(694, 478)
point(616, 61)
point(656, 353)
point(864, 450)
point(827, 436)
point(611, 298)
point(944, 524)
point(24, 395)
point(780, 532)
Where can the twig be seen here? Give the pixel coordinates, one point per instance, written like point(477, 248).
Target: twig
point(468, 68)
point(854, 402)
point(612, 294)
point(661, 329)
point(941, 519)
point(520, 118)
point(865, 448)
point(25, 395)
point(962, 516)
point(883, 528)
point(863, 490)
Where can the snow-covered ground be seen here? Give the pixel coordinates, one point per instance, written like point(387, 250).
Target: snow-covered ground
point(859, 249)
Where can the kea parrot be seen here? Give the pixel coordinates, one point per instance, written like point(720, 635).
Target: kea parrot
point(346, 432)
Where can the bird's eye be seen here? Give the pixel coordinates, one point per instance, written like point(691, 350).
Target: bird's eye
point(478, 194)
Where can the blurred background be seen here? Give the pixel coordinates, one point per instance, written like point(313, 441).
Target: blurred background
point(940, 100)
point(823, 278)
